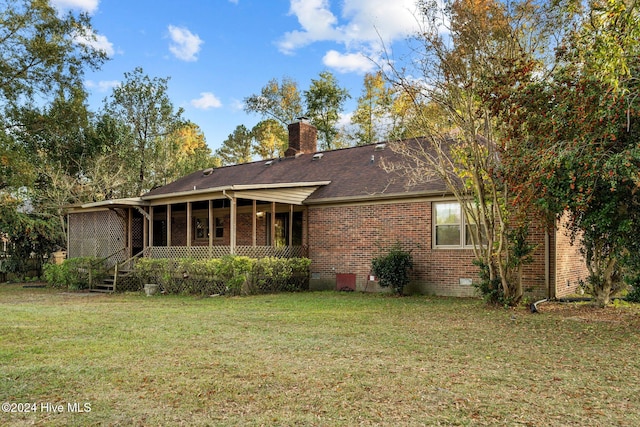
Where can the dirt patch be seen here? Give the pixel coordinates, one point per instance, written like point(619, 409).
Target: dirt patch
point(587, 312)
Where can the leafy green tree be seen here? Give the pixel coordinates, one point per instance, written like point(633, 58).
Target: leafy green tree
point(144, 105)
point(372, 115)
point(270, 139)
point(237, 147)
point(41, 59)
point(41, 54)
point(467, 53)
point(193, 153)
point(280, 101)
point(32, 236)
point(43, 117)
point(325, 101)
point(575, 139)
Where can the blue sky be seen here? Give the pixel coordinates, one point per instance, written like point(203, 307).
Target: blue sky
point(218, 52)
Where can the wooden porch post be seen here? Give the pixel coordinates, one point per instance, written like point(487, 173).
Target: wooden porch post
point(290, 243)
point(253, 224)
point(150, 236)
point(189, 207)
point(232, 237)
point(273, 223)
point(212, 231)
point(130, 232)
point(145, 231)
point(168, 226)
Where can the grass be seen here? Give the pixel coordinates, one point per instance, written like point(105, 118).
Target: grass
point(312, 359)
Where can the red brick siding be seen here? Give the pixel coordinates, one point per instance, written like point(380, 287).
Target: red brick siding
point(344, 239)
point(570, 264)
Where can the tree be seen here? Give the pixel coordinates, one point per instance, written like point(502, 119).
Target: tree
point(237, 147)
point(40, 58)
point(41, 54)
point(577, 134)
point(143, 104)
point(183, 151)
point(470, 52)
point(372, 115)
point(42, 117)
point(280, 101)
point(270, 139)
point(325, 101)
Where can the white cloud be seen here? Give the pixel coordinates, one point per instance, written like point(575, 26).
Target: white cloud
point(97, 41)
point(206, 101)
point(102, 85)
point(185, 45)
point(375, 20)
point(237, 105)
point(348, 62)
point(364, 28)
point(317, 22)
point(89, 6)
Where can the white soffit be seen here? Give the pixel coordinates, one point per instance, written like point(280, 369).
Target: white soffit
point(291, 196)
point(132, 201)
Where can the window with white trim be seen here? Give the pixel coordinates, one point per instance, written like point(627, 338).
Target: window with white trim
point(448, 223)
point(201, 227)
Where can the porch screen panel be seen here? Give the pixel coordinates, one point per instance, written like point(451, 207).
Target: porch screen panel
point(75, 232)
point(96, 234)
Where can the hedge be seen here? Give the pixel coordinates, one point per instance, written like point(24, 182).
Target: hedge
point(230, 275)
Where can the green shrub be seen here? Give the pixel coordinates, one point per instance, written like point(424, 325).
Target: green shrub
point(54, 275)
point(633, 280)
point(232, 275)
point(272, 274)
point(490, 290)
point(234, 271)
point(393, 268)
point(74, 273)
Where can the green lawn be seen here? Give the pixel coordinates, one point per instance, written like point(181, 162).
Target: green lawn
point(311, 359)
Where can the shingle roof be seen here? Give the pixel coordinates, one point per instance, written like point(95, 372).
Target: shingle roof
point(354, 172)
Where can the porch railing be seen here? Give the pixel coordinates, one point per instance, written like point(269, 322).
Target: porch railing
point(206, 252)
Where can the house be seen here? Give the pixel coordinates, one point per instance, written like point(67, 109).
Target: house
point(340, 208)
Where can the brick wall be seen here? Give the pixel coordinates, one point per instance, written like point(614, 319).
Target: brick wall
point(344, 239)
point(570, 264)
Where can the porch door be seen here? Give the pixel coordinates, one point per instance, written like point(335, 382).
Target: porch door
point(137, 233)
point(281, 237)
point(159, 232)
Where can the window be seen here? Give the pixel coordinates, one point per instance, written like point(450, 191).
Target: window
point(201, 228)
point(448, 223)
point(218, 226)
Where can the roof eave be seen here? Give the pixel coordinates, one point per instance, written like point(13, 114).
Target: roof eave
point(378, 197)
point(237, 187)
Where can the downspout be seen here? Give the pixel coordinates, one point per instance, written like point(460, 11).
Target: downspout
point(547, 274)
point(547, 261)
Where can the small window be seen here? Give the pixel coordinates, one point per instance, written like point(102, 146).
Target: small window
point(201, 228)
point(219, 228)
point(448, 223)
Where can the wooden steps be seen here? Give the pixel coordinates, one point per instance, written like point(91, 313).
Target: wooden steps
point(108, 285)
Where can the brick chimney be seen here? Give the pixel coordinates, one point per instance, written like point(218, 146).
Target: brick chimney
point(303, 138)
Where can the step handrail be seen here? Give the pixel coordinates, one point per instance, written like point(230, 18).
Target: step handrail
point(102, 262)
point(142, 253)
